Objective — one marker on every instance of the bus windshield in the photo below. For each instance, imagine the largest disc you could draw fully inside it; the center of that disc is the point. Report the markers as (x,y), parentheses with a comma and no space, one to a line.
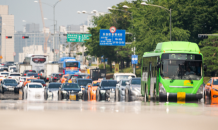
(39,60)
(181,66)
(71,64)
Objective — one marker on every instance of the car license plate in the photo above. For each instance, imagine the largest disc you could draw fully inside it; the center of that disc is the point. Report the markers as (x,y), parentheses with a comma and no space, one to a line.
(11,89)
(72,97)
(181,97)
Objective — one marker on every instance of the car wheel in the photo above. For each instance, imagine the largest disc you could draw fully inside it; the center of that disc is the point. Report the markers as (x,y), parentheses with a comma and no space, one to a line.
(97,95)
(59,96)
(89,95)
(2,90)
(117,95)
(145,97)
(126,95)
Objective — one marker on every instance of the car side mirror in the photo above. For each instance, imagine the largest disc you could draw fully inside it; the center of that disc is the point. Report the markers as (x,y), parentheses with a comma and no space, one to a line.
(208,84)
(127,83)
(205,67)
(158,65)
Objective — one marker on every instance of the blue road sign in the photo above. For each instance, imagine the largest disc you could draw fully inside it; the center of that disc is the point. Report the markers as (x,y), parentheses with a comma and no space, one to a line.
(112,39)
(134,59)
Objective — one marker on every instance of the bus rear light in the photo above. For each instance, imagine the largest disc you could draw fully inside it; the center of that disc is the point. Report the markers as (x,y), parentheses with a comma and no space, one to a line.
(38,77)
(24,74)
(55,77)
(75,75)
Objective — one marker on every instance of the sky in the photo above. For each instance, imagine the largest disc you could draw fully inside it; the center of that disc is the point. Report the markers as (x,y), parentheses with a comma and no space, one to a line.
(65,11)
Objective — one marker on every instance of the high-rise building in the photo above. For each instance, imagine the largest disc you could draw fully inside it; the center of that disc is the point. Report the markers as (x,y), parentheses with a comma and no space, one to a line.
(32,28)
(6,29)
(62,29)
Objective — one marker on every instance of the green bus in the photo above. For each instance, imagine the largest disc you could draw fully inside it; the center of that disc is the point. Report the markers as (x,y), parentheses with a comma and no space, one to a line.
(173,72)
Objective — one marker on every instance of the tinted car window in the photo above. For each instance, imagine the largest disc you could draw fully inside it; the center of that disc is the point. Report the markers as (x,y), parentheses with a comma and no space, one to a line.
(35,86)
(54,85)
(95,84)
(14,74)
(70,85)
(215,82)
(136,81)
(39,81)
(32,74)
(84,82)
(58,75)
(109,83)
(5,74)
(10,81)
(29,71)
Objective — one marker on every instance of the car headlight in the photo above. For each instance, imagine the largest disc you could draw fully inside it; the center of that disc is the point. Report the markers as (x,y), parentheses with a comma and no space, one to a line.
(201,89)
(64,91)
(102,91)
(161,88)
(214,89)
(4,86)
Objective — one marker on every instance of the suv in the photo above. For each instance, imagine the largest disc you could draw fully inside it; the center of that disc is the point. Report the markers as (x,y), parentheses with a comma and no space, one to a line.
(26,71)
(55,77)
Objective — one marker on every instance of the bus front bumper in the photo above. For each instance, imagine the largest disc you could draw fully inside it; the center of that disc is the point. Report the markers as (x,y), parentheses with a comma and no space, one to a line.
(174,97)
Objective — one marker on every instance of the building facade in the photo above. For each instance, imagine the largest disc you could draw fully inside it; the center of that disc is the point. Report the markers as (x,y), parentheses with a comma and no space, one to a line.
(7,31)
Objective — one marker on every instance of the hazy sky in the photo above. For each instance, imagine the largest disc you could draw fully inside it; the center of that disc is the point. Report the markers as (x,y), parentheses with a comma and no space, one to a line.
(66,11)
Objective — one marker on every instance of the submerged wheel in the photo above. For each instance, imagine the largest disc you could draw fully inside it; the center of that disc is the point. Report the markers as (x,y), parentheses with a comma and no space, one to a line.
(117,95)
(97,95)
(127,95)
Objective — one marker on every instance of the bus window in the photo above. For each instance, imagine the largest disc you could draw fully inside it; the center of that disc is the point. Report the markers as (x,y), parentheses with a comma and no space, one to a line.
(39,60)
(71,64)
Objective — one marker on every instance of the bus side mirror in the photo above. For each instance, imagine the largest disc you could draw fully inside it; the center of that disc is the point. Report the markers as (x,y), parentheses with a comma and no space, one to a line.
(205,67)
(158,64)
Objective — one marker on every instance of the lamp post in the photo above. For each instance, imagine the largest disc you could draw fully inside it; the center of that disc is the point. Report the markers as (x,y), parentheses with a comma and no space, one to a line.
(143,3)
(53,21)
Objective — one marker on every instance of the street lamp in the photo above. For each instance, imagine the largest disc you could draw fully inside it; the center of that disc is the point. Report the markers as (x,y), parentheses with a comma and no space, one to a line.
(53,20)
(143,3)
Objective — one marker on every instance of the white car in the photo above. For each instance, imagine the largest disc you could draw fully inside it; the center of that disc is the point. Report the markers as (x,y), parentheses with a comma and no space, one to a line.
(3,75)
(11,68)
(14,76)
(123,76)
(33,92)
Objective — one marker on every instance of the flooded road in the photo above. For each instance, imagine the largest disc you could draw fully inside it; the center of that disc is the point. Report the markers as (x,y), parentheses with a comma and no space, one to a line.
(21,114)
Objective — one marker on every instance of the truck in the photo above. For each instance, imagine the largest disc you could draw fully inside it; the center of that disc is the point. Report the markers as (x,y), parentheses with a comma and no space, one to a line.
(22,67)
(49,69)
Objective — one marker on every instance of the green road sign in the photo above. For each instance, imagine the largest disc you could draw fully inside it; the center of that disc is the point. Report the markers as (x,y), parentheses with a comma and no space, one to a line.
(77,37)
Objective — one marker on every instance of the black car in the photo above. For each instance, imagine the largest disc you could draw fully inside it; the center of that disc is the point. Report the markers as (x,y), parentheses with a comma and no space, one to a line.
(26,71)
(32,74)
(9,85)
(52,90)
(55,77)
(83,82)
(39,81)
(69,90)
(73,77)
(106,90)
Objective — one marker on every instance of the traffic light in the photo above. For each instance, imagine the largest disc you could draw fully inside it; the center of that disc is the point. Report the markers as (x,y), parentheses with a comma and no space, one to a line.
(8,37)
(64,34)
(24,37)
(202,36)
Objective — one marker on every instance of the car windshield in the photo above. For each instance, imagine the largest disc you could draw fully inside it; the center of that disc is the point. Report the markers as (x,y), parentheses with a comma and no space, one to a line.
(136,81)
(70,85)
(14,74)
(35,86)
(6,74)
(12,68)
(215,82)
(10,81)
(181,66)
(84,82)
(121,77)
(54,85)
(39,81)
(124,82)
(95,84)
(108,83)
(32,74)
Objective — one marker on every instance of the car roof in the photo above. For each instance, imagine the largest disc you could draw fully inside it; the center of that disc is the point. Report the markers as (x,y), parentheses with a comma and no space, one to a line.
(34,83)
(124,74)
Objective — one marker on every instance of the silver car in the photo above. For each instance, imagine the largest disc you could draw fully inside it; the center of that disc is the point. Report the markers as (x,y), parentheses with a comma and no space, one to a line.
(120,90)
(133,89)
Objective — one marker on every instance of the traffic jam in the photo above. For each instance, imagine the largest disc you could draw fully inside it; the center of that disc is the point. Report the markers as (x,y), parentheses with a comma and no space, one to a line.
(65,81)
(36,79)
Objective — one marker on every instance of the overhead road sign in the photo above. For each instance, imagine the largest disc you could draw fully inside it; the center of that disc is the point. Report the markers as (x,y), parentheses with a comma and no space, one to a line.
(112,39)
(134,59)
(77,37)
